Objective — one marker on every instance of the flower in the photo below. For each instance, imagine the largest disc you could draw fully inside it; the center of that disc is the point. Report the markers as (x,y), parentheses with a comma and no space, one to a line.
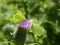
(26,25)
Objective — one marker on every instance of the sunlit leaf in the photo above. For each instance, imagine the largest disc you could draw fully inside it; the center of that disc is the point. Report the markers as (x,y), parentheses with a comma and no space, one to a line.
(38,30)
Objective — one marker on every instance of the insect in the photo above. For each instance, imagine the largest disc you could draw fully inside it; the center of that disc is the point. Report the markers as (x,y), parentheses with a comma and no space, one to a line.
(18,17)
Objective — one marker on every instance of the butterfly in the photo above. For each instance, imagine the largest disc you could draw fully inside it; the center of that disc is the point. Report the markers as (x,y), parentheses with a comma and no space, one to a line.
(18,17)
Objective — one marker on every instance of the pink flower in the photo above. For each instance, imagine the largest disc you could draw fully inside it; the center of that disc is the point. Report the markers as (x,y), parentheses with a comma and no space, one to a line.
(26,25)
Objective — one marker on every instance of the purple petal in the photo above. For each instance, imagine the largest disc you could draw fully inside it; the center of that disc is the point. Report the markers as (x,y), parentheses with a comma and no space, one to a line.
(27,24)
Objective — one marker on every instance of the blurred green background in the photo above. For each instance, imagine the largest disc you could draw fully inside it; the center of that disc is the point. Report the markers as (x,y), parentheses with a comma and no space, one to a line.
(44,14)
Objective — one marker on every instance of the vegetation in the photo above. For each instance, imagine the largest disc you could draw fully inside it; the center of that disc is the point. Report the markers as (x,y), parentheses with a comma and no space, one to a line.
(44,16)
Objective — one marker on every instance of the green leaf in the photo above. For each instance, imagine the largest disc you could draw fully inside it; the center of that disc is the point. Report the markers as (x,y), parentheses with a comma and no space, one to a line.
(38,30)
(2,38)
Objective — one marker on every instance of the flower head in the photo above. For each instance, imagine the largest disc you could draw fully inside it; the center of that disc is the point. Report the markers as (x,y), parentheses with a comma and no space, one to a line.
(26,25)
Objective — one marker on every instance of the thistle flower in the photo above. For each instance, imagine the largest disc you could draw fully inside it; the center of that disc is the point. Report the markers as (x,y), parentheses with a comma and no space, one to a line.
(26,25)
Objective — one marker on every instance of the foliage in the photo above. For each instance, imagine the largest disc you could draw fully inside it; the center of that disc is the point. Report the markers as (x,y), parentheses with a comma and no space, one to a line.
(45,18)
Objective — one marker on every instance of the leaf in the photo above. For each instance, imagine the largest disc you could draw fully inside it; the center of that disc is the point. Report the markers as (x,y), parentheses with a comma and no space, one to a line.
(18,18)
(2,38)
(38,30)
